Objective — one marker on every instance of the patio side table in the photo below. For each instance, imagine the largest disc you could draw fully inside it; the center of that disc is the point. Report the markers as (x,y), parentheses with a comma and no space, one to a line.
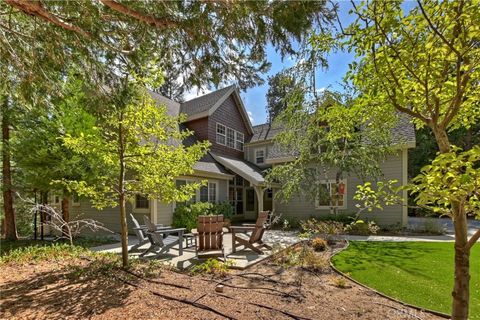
(190,240)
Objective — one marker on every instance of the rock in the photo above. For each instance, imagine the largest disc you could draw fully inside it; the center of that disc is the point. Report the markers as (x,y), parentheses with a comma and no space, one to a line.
(219,288)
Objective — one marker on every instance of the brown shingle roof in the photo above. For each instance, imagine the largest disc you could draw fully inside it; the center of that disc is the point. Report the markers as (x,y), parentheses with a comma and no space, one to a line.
(205,102)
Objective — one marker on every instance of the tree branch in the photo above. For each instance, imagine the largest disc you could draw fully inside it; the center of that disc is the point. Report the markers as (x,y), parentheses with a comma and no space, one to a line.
(35,8)
(148,19)
(450,45)
(473,239)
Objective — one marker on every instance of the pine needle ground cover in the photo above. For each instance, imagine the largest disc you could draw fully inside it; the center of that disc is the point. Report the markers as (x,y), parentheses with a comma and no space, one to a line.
(419,273)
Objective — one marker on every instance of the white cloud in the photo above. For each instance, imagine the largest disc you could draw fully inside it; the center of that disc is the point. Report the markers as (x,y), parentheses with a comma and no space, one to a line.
(250,116)
(321,90)
(195,92)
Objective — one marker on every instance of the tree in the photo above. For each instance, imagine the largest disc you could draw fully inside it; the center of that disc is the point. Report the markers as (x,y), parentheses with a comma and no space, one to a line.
(138,146)
(424,63)
(40,156)
(326,135)
(7,186)
(279,87)
(206,43)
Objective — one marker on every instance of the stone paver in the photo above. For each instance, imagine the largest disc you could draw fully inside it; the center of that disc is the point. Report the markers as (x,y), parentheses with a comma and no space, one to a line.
(241,259)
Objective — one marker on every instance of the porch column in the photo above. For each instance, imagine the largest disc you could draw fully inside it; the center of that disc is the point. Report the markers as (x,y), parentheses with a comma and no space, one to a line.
(154,211)
(259,191)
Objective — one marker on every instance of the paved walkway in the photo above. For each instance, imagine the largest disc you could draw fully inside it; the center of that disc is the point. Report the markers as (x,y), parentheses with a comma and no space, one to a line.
(442,223)
(241,259)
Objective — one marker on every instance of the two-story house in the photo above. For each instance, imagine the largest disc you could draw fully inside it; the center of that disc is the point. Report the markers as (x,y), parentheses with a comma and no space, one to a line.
(236,163)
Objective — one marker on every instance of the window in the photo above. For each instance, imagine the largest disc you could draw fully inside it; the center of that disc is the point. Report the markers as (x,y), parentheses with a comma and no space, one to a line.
(260,156)
(230,138)
(208,193)
(331,195)
(221,134)
(239,140)
(235,194)
(141,202)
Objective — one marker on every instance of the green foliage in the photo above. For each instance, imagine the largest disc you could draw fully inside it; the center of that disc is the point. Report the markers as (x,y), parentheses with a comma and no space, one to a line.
(55,251)
(144,132)
(290,223)
(361,227)
(329,230)
(185,215)
(281,85)
(452,177)
(419,273)
(212,266)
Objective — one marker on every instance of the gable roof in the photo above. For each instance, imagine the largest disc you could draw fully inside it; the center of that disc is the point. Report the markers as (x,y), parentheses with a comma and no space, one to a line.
(402,133)
(206,105)
(243,168)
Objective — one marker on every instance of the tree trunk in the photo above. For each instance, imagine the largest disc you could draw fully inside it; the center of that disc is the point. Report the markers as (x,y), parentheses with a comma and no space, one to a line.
(9,220)
(65,216)
(122,200)
(461,286)
(461,290)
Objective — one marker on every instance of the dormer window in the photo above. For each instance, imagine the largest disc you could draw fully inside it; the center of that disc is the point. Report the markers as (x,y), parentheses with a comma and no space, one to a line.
(221,134)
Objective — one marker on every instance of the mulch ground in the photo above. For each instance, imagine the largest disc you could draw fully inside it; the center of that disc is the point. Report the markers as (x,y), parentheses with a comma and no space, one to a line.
(63,290)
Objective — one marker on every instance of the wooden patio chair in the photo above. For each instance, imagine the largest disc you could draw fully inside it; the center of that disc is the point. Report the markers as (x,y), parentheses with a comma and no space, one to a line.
(140,232)
(240,236)
(163,239)
(210,237)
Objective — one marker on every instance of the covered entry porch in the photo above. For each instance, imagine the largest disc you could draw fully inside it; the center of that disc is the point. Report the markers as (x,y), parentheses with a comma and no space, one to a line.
(248,191)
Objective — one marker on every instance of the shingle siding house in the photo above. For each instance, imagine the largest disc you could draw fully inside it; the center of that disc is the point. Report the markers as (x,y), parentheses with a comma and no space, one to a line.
(235,165)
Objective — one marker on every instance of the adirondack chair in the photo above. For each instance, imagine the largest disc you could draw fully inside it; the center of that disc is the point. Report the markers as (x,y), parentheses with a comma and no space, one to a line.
(140,231)
(253,241)
(210,237)
(163,239)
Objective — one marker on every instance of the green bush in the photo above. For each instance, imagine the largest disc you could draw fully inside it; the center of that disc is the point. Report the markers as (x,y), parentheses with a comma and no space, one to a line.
(290,223)
(343,218)
(185,215)
(361,227)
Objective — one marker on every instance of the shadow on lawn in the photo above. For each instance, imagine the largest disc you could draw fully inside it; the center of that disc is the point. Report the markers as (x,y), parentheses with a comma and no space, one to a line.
(403,255)
(61,294)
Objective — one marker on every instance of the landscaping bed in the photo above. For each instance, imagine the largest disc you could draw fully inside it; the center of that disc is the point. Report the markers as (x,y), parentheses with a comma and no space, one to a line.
(75,283)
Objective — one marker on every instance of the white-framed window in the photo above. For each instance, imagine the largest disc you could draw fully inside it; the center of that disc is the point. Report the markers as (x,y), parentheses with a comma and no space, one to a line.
(141,202)
(332,195)
(208,193)
(239,139)
(221,134)
(231,138)
(56,199)
(75,200)
(260,156)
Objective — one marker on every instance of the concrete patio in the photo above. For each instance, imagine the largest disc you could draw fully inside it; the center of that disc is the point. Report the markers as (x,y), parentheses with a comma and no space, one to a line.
(241,259)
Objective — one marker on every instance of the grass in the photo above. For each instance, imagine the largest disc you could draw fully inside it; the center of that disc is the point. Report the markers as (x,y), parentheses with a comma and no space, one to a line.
(419,273)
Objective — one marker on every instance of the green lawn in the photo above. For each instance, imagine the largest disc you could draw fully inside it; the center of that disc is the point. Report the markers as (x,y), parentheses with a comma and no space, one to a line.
(419,273)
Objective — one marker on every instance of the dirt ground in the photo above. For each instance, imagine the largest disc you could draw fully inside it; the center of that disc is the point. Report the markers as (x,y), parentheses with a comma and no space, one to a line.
(67,290)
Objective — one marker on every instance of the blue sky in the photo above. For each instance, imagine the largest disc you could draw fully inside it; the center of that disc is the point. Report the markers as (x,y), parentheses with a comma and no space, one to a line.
(254,98)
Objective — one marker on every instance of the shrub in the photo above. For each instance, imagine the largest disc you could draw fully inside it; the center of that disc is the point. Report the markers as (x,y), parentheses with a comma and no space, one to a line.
(314,262)
(339,282)
(362,228)
(343,218)
(212,266)
(185,215)
(290,223)
(319,244)
(328,230)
